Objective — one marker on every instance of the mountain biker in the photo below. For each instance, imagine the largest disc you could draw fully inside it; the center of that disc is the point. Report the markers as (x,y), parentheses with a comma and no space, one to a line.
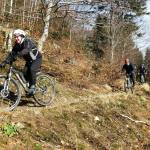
(142,71)
(129,69)
(135,71)
(25,48)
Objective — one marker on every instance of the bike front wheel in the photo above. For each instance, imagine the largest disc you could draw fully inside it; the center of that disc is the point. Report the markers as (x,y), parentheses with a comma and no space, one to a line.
(128,85)
(45,89)
(10,94)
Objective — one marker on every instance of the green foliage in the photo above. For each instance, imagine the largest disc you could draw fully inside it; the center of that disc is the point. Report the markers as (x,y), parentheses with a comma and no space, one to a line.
(81,146)
(147,58)
(100,38)
(59,28)
(37,147)
(107,32)
(9,129)
(55,35)
(137,5)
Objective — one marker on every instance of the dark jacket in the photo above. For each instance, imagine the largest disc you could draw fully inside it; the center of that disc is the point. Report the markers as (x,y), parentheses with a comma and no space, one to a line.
(142,70)
(24,50)
(128,68)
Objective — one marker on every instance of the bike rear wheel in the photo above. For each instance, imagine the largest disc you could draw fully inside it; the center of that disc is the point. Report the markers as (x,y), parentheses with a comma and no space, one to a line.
(142,79)
(45,89)
(9,96)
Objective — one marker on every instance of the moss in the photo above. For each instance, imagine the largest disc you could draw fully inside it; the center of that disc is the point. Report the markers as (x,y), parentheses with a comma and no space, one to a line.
(81,146)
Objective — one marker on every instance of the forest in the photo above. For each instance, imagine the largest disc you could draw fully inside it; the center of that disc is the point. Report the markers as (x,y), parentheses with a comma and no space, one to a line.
(84,44)
(90,37)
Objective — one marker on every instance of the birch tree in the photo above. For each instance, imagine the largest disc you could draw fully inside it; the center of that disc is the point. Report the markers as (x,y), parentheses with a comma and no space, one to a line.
(11,6)
(47,4)
(115,28)
(4,7)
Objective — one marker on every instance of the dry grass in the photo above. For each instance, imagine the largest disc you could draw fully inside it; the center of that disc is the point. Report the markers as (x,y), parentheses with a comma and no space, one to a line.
(73,67)
(91,122)
(85,115)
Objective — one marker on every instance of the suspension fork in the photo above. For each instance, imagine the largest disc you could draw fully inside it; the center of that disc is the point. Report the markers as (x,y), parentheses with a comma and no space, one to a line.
(6,82)
(5,91)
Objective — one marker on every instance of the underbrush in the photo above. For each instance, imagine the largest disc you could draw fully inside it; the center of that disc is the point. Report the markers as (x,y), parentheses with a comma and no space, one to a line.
(86,125)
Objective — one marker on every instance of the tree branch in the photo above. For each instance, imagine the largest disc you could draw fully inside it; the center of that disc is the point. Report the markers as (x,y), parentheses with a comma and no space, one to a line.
(133,120)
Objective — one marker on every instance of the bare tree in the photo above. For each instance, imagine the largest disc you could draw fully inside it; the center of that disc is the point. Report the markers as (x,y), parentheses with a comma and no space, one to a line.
(48,5)
(11,7)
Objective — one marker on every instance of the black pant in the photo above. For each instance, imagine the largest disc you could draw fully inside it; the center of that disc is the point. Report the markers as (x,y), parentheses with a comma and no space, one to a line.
(132,78)
(31,69)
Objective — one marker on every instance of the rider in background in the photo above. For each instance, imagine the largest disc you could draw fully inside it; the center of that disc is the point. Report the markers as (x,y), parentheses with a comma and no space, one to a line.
(129,69)
(25,48)
(142,71)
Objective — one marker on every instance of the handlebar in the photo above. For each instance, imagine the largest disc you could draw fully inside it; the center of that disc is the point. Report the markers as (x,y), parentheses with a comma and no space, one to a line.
(12,67)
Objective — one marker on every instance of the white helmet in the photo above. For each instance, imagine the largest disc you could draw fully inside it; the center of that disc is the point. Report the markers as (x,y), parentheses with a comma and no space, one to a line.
(19,32)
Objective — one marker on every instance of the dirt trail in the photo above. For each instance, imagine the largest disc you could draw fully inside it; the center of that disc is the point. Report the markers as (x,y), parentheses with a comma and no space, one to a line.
(78,112)
(66,96)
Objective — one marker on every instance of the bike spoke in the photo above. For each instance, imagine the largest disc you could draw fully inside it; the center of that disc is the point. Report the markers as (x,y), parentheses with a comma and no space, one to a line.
(45,91)
(9,94)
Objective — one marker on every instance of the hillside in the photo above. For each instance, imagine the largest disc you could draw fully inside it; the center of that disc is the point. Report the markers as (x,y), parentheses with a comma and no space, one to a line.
(81,120)
(84,45)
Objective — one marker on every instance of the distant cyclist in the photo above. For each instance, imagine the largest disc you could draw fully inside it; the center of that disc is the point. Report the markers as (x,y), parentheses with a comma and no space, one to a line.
(129,69)
(142,73)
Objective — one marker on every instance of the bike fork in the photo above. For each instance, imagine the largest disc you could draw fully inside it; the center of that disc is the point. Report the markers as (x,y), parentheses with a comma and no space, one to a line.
(6,84)
(5,90)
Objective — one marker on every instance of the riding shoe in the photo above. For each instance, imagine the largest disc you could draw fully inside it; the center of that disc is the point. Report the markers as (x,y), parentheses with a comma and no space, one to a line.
(31,91)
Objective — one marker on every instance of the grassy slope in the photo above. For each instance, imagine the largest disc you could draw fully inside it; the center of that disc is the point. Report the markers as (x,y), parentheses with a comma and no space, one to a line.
(81,119)
(87,121)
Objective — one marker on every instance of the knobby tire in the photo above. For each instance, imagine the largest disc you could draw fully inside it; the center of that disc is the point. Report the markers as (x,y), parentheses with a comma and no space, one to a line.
(13,97)
(45,89)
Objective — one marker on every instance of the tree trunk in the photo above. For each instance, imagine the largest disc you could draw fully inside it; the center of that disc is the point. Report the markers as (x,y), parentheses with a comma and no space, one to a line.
(9,42)
(11,5)
(46,26)
(23,13)
(4,7)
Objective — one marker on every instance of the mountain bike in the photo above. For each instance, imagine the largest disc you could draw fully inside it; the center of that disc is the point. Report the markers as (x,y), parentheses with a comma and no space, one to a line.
(128,84)
(11,91)
(142,78)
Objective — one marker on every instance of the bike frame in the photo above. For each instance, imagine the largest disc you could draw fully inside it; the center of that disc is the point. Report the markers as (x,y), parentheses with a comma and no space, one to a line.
(16,72)
(15,76)
(128,81)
